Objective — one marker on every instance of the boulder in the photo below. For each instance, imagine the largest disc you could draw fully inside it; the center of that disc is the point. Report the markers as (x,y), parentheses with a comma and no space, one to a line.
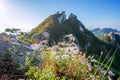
(18,51)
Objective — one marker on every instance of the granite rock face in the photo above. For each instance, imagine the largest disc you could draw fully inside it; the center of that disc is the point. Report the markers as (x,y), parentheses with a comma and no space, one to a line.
(61,17)
(19,49)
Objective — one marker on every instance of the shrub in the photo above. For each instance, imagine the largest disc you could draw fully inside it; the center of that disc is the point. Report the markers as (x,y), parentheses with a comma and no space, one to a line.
(73,66)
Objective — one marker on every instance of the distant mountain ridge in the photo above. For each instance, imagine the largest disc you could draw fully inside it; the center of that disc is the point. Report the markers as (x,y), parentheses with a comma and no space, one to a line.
(112,38)
(99,32)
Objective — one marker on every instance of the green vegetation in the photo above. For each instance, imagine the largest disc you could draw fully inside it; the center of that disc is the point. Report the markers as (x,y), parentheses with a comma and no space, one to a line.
(12,31)
(8,68)
(57,64)
(62,67)
(107,39)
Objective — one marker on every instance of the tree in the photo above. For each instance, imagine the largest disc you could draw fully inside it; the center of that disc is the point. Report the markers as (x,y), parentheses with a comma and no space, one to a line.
(13,31)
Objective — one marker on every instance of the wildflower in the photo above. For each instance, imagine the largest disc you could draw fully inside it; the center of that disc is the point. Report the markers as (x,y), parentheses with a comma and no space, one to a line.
(90,68)
(72,38)
(97,76)
(84,56)
(75,48)
(68,50)
(54,52)
(111,73)
(91,76)
(57,57)
(65,56)
(104,72)
(74,52)
(101,53)
(94,60)
(62,43)
(80,53)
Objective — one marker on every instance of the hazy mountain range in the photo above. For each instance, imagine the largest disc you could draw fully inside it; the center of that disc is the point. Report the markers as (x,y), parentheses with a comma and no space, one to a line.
(98,32)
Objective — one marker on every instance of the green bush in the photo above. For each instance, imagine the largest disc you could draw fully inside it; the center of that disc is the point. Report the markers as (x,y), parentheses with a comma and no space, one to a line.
(74,67)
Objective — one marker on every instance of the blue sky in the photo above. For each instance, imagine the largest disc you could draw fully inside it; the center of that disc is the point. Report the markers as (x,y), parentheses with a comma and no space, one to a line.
(27,14)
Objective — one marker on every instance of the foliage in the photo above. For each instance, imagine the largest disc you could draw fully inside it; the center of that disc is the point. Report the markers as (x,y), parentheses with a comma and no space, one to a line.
(21,35)
(7,66)
(32,41)
(32,60)
(13,31)
(61,66)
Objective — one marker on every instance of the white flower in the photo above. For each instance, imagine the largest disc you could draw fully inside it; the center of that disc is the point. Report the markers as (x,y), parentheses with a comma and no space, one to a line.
(65,56)
(111,73)
(72,50)
(68,51)
(57,57)
(54,52)
(90,68)
(94,60)
(104,72)
(72,38)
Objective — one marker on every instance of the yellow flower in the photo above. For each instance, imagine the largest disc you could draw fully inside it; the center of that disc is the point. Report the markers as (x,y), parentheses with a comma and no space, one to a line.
(69,50)
(74,52)
(75,48)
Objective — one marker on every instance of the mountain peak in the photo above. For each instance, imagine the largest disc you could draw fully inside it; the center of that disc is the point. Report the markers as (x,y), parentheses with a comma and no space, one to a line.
(56,26)
(61,17)
(72,16)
